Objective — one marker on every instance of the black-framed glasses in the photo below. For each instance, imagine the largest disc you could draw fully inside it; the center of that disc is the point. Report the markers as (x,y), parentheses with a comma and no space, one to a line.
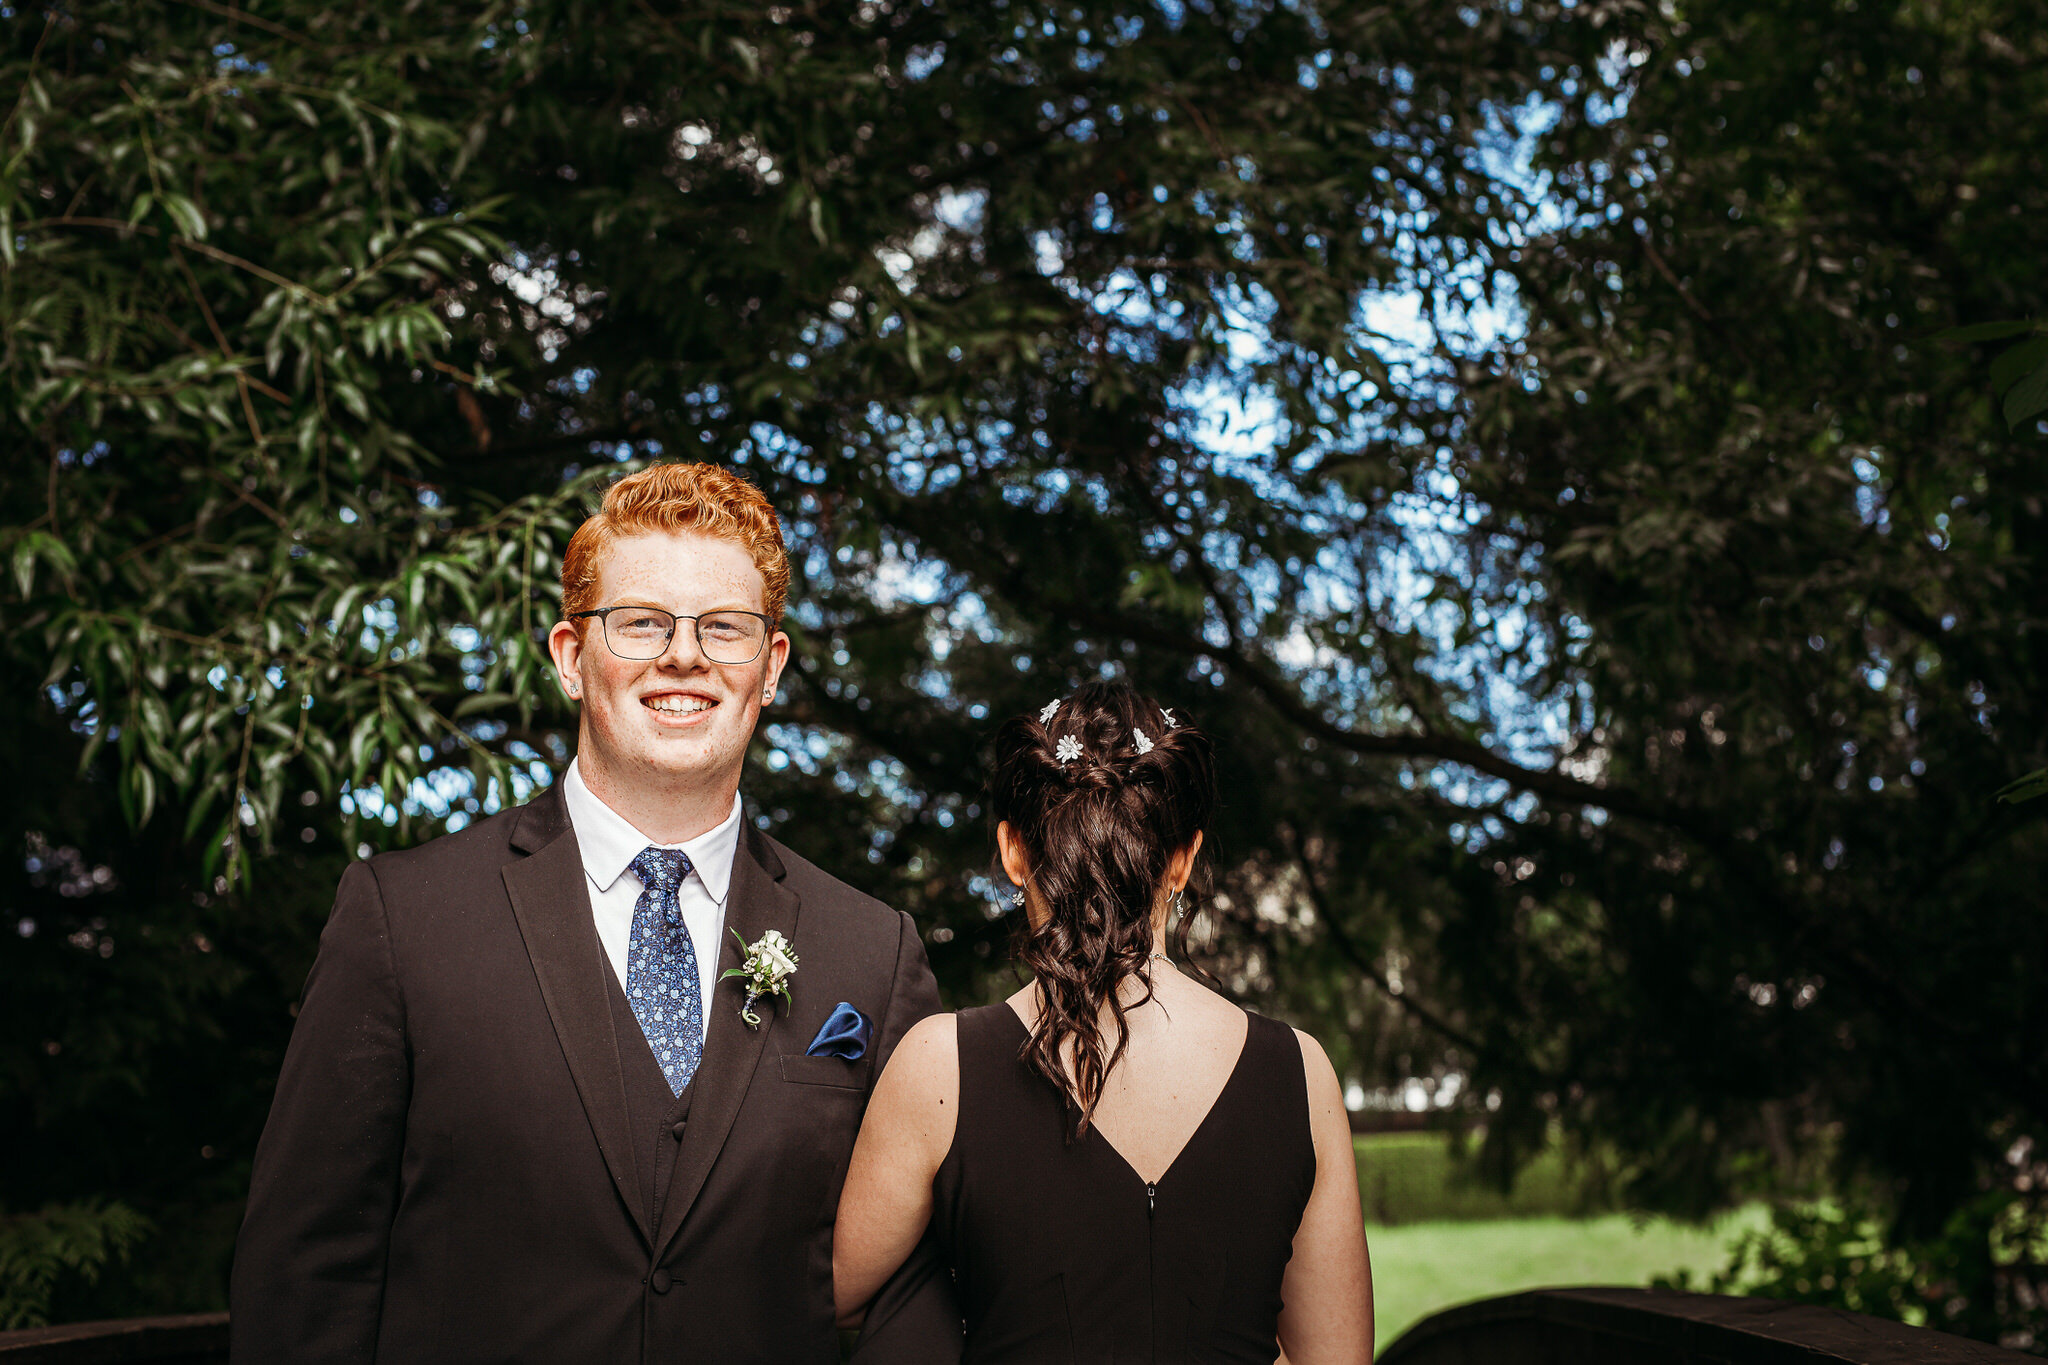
(724,637)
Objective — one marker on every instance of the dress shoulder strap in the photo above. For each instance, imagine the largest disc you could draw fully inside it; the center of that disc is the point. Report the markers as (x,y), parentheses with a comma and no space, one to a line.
(1277,1047)
(988,1037)
(1273,1099)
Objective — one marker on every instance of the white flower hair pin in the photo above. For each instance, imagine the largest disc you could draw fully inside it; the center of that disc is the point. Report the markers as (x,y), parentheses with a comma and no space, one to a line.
(1048,711)
(1144,744)
(766,966)
(1171,723)
(1069,749)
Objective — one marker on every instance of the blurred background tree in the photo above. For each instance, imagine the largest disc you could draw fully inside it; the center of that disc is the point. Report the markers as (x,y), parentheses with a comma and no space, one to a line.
(1514,429)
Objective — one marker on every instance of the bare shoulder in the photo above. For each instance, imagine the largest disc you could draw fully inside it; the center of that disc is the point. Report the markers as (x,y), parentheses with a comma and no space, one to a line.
(1314,1061)
(925,1068)
(915,1103)
(933,1037)
(1324,1092)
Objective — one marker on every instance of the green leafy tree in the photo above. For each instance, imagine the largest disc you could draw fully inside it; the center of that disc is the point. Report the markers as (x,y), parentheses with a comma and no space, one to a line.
(77,1242)
(1612,620)
(2020,372)
(1807,550)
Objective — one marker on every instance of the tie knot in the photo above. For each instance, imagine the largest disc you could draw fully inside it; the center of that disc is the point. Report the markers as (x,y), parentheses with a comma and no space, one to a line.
(661,869)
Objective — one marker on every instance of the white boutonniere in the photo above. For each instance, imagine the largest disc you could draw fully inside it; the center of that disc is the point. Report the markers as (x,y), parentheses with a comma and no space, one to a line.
(766,965)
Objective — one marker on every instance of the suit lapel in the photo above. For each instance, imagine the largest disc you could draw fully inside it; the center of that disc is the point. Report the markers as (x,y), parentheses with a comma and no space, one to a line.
(552,905)
(756,903)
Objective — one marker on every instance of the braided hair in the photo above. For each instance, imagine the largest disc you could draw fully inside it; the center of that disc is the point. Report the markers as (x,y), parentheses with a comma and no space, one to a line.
(1100,828)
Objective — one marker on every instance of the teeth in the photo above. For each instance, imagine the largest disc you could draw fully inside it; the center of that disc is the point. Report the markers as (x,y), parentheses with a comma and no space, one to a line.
(679,705)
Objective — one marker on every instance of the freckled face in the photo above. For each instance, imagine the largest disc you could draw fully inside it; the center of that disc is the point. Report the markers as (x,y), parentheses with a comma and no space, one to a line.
(679,720)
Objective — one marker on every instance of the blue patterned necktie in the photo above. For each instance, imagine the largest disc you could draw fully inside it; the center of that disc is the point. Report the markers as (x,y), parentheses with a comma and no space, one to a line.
(662,984)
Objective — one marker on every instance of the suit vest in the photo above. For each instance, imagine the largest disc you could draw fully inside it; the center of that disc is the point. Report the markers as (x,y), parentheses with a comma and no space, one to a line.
(658,1116)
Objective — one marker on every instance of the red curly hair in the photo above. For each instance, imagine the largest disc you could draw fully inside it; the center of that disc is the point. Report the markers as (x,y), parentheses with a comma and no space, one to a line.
(703,498)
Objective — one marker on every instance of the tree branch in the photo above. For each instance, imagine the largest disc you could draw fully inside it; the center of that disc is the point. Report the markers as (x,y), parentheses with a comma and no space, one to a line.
(1348,948)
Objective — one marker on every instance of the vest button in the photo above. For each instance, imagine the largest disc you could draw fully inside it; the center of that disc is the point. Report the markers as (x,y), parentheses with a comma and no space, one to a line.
(676,1129)
(659,1282)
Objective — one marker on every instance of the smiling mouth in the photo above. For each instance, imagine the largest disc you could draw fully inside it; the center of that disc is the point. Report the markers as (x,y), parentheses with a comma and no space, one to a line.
(674,704)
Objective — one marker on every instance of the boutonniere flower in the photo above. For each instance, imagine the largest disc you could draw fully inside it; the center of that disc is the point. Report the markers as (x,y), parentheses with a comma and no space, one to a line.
(766,965)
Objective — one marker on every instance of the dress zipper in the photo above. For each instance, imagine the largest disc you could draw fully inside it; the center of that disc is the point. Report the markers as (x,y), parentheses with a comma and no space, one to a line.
(1152,1267)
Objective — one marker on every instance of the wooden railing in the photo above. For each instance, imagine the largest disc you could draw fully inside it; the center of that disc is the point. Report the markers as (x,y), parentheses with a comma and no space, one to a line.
(1663,1327)
(196,1339)
(1543,1327)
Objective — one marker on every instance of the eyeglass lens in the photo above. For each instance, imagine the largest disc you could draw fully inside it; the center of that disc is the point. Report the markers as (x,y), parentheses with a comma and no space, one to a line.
(725,637)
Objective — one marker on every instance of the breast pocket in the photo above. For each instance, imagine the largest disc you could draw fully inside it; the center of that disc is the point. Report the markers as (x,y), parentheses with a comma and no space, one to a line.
(836,1072)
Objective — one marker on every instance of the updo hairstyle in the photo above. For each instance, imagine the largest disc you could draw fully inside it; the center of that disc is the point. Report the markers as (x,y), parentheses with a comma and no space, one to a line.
(1099,831)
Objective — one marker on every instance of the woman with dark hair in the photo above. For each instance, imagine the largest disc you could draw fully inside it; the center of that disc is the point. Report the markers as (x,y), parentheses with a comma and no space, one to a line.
(1121,1164)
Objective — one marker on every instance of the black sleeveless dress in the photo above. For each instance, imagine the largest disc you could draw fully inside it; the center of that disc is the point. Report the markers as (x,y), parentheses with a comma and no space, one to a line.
(1062,1253)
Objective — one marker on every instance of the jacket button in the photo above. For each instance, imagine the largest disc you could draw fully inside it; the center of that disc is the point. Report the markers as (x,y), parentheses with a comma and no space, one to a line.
(659,1281)
(676,1130)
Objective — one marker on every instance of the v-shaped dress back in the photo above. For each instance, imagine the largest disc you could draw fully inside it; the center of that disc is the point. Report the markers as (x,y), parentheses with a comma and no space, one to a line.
(1063,1253)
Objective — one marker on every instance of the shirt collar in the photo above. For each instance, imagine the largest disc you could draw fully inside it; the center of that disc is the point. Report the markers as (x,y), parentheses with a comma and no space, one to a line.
(609,842)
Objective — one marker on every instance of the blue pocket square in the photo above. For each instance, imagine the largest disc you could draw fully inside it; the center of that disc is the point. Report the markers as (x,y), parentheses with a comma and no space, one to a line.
(845,1034)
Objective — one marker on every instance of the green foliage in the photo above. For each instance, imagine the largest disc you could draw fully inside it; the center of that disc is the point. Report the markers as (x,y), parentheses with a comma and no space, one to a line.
(1617,629)
(2025,788)
(216,270)
(38,1250)
(1973,1277)
(2020,372)
(1418,1178)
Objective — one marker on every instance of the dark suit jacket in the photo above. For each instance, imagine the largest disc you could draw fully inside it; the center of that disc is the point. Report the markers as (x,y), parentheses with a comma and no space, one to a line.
(449,1172)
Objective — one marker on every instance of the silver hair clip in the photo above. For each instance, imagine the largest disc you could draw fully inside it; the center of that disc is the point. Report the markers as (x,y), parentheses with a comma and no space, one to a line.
(1144,744)
(1069,749)
(1171,723)
(1048,711)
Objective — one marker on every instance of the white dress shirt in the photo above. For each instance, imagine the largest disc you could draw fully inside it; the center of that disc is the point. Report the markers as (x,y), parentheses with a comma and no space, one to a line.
(609,843)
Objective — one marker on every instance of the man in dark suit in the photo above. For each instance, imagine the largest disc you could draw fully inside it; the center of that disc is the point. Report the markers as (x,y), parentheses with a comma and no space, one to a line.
(523,1116)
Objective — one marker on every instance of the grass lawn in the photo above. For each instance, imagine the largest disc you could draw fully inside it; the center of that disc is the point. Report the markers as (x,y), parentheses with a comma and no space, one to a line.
(1440,1238)
(1411,1178)
(1419,1268)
